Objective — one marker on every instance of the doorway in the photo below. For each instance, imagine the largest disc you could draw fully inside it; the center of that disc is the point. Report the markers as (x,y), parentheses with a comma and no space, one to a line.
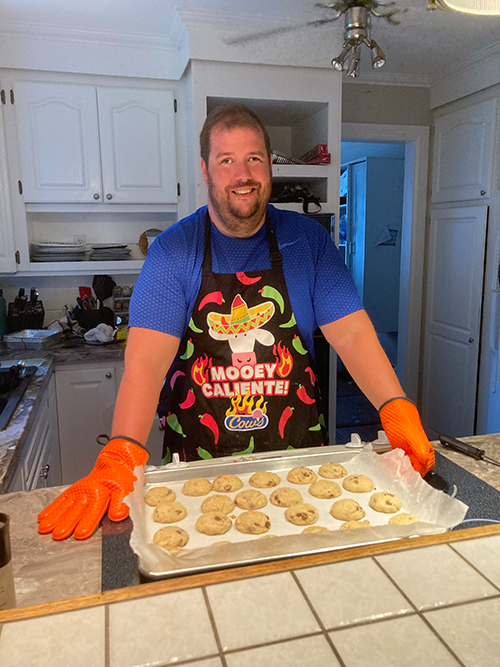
(411,143)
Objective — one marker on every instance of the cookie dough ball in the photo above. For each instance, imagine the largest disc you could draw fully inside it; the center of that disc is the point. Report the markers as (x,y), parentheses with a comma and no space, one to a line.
(358,484)
(285,497)
(253,523)
(385,502)
(403,519)
(169,512)
(347,510)
(213,523)
(302,514)
(198,486)
(354,524)
(159,494)
(223,504)
(250,499)
(227,483)
(315,529)
(324,488)
(301,475)
(216,544)
(171,538)
(264,480)
(332,470)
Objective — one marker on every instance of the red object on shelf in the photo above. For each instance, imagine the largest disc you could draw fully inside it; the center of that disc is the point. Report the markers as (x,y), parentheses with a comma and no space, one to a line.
(317,155)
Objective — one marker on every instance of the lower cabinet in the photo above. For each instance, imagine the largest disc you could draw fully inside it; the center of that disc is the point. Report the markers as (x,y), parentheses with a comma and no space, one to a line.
(86,399)
(40,464)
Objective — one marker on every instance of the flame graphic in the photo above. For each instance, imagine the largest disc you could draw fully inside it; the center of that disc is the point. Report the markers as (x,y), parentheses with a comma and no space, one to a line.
(199,370)
(284,359)
(245,405)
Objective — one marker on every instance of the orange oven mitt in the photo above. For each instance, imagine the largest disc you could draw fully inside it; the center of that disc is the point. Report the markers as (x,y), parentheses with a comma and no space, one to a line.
(82,506)
(403,428)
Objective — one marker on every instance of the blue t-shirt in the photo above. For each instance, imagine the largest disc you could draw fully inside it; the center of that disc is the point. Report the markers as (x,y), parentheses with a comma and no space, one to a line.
(320,287)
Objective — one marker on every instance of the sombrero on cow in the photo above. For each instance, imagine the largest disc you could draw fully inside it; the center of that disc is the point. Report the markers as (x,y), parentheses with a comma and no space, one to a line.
(242,318)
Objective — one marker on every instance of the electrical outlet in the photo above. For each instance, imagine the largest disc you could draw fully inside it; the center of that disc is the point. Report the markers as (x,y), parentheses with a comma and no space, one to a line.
(80,239)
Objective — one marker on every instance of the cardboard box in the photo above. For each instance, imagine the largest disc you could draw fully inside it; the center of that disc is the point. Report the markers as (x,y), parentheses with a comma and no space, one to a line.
(317,155)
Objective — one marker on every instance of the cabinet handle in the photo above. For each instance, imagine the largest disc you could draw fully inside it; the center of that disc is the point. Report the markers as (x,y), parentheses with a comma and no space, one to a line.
(109,196)
(483,192)
(44,472)
(96,195)
(471,340)
(109,375)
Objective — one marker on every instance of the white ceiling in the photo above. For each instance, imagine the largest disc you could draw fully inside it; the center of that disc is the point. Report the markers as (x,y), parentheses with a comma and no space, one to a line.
(420,50)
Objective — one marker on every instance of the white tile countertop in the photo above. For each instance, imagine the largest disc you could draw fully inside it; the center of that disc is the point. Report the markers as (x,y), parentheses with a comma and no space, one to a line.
(435,605)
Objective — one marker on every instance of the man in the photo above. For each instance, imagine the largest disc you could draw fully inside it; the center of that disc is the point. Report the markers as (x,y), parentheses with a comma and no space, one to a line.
(221,328)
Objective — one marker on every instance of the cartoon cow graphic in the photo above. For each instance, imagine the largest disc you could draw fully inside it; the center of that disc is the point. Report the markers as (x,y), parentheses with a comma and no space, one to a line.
(242,328)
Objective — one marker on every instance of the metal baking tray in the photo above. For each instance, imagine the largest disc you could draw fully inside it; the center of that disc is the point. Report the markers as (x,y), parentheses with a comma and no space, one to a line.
(32,339)
(250,550)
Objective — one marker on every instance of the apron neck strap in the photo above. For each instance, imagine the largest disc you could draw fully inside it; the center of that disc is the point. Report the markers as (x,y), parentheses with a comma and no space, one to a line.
(274,251)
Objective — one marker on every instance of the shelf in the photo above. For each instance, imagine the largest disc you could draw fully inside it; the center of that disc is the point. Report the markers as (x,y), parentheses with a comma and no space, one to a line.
(301,171)
(100,208)
(122,267)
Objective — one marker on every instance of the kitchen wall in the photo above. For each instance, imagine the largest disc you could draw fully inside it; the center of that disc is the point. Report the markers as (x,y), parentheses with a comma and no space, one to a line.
(386,105)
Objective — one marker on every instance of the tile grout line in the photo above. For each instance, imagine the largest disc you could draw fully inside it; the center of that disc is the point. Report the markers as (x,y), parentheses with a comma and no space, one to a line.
(318,620)
(107,646)
(475,568)
(420,614)
(214,626)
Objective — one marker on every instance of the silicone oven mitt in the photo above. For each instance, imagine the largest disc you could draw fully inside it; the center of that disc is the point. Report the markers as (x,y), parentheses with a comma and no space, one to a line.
(80,508)
(403,428)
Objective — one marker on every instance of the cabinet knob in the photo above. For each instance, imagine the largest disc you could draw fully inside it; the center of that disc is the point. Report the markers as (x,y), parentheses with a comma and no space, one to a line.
(109,196)
(44,472)
(483,192)
(471,340)
(109,375)
(96,195)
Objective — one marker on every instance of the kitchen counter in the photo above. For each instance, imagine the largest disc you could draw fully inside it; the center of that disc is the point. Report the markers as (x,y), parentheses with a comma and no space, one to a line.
(12,439)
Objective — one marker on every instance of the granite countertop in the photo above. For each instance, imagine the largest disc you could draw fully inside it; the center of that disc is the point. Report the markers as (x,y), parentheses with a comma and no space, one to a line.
(12,438)
(487,472)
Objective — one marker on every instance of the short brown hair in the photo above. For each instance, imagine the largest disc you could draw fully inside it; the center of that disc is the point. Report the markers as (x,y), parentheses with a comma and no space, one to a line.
(229,116)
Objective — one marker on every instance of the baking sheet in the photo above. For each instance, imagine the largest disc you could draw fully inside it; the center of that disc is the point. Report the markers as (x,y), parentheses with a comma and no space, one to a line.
(390,472)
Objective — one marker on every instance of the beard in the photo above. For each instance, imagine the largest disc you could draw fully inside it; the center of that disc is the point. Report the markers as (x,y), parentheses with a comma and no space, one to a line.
(239,221)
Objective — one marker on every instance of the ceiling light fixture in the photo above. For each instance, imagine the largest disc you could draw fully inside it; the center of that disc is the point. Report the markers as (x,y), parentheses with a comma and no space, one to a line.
(479,7)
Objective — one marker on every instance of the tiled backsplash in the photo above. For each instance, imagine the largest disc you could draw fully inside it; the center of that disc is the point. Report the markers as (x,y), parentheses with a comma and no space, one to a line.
(433,606)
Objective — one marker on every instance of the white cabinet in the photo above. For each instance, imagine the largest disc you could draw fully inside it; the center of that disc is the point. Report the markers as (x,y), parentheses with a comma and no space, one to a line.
(85,143)
(86,399)
(7,247)
(464,143)
(40,464)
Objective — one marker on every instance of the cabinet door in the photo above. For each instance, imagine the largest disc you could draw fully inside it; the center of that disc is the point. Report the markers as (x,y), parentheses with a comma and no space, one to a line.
(85,403)
(7,249)
(463,153)
(138,145)
(58,140)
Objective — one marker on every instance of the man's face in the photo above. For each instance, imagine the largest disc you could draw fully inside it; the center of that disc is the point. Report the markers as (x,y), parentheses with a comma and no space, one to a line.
(238,177)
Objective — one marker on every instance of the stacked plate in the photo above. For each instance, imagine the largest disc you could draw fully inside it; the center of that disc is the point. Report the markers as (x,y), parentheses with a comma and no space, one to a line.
(58,252)
(102,252)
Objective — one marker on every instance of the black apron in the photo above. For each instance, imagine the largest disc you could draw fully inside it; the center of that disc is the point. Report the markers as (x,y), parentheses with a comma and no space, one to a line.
(243,380)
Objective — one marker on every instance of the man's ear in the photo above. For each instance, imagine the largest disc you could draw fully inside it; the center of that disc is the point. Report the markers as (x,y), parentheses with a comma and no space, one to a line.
(204,171)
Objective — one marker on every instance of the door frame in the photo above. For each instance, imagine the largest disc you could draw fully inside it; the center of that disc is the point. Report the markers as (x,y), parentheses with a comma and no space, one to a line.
(413,233)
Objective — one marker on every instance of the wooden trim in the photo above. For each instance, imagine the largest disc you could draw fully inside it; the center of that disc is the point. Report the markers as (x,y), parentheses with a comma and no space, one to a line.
(235,574)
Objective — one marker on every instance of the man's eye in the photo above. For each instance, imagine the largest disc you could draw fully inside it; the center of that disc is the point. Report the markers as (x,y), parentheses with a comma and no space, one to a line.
(254,158)
(226,160)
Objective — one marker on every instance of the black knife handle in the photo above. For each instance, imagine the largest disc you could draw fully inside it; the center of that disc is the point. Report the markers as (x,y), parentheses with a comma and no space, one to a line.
(462,447)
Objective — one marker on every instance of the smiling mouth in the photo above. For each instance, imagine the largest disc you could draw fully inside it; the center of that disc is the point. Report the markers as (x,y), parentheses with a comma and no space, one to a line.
(244,191)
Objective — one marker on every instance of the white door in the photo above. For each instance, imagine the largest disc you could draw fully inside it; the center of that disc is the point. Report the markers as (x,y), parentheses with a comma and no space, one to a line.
(453,318)
(463,153)
(7,249)
(138,145)
(356,215)
(58,139)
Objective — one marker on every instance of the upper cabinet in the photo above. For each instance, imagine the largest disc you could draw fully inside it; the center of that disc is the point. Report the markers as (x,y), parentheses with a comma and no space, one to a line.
(463,153)
(85,144)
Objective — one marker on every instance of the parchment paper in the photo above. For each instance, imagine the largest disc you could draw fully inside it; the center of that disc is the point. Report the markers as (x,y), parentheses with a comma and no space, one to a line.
(391,472)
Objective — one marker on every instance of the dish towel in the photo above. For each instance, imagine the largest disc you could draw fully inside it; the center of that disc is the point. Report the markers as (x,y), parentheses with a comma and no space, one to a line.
(102,333)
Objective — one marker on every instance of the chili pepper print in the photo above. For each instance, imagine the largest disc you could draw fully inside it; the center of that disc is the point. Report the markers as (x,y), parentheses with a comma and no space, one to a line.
(167,458)
(193,327)
(291,323)
(285,416)
(304,396)
(297,343)
(173,422)
(189,350)
(174,378)
(246,280)
(248,450)
(312,375)
(316,427)
(203,454)
(270,293)
(208,421)
(321,419)
(212,297)
(188,401)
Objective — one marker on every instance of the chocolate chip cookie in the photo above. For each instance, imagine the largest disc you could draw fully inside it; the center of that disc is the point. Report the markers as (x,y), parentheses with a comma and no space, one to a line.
(227,483)
(285,497)
(332,470)
(354,524)
(358,484)
(171,538)
(302,514)
(264,480)
(301,475)
(315,529)
(324,488)
(169,512)
(159,494)
(347,510)
(385,502)
(250,499)
(253,523)
(223,504)
(403,519)
(198,486)
(213,523)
